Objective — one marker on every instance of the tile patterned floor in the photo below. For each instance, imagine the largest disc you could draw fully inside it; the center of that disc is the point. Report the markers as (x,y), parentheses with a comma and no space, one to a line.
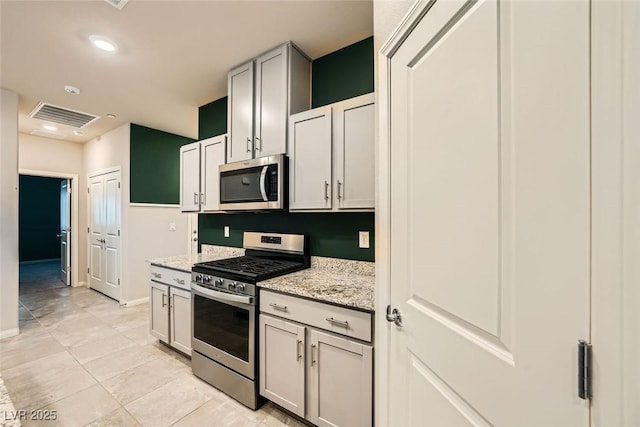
(93,362)
(39,276)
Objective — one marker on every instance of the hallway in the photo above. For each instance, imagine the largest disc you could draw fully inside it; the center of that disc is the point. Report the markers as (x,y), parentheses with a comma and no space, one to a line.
(40,276)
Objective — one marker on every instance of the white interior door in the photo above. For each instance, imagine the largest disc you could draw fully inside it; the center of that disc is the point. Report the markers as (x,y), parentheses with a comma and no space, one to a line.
(489,214)
(65,231)
(104,234)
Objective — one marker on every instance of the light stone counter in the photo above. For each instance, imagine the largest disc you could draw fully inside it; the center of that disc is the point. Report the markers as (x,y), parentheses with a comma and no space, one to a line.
(209,253)
(336,281)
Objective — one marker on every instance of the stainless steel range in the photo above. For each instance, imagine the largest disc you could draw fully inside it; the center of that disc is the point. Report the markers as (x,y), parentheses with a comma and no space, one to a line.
(225,314)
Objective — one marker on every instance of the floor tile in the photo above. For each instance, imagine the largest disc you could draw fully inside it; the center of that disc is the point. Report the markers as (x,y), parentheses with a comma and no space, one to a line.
(171,402)
(120,417)
(44,392)
(27,374)
(141,380)
(79,409)
(215,412)
(140,335)
(118,362)
(100,347)
(18,352)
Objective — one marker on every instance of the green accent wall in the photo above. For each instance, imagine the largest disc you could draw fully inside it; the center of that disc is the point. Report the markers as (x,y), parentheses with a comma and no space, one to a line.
(343,74)
(39,218)
(212,119)
(329,234)
(155,165)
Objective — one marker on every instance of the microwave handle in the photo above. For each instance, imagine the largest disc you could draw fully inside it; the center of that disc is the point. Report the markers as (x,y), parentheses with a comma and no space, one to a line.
(263,183)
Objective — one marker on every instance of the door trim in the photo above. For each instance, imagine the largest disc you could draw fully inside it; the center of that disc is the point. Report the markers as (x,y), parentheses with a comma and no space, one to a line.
(73,178)
(616,204)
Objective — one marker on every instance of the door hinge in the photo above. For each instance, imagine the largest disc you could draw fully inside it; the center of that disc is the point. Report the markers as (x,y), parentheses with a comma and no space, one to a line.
(88,230)
(87,190)
(584,370)
(118,185)
(118,232)
(88,269)
(118,281)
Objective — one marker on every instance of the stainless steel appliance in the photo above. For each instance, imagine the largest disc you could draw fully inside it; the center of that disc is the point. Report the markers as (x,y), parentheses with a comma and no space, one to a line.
(224,310)
(254,184)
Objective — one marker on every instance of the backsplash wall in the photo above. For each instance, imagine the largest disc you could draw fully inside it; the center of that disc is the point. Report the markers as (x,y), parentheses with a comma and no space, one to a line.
(329,234)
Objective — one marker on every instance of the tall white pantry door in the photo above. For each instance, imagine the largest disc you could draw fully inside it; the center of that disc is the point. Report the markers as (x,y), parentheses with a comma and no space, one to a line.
(489,213)
(104,234)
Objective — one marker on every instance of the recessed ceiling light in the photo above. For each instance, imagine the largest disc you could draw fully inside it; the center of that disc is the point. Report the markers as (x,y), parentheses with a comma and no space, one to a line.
(72,90)
(103,43)
(111,116)
(50,127)
(77,133)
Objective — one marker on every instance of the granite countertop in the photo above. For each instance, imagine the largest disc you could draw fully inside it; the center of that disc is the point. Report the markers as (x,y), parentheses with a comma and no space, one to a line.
(185,262)
(336,281)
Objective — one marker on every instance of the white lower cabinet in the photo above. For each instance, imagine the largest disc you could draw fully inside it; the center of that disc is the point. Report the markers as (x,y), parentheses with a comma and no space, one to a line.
(324,377)
(171,308)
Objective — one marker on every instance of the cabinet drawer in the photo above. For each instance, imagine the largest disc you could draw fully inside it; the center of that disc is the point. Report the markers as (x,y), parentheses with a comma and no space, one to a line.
(180,279)
(352,323)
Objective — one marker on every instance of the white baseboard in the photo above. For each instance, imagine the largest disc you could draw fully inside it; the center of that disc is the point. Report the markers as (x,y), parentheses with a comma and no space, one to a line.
(81,285)
(9,333)
(136,302)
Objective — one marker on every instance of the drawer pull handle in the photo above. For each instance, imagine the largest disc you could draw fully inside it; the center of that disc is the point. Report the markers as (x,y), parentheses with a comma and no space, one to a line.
(298,352)
(179,281)
(279,307)
(157,275)
(342,323)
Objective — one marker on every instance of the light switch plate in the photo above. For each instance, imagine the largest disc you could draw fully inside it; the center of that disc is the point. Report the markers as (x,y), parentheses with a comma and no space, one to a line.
(364,239)
(226,231)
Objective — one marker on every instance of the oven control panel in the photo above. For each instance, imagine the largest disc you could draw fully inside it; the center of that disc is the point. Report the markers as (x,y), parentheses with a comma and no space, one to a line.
(221,284)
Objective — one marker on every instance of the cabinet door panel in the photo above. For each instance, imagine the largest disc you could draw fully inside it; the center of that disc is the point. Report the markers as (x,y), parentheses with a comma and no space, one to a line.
(160,311)
(180,319)
(310,159)
(213,155)
(240,113)
(340,381)
(190,177)
(355,139)
(271,103)
(282,363)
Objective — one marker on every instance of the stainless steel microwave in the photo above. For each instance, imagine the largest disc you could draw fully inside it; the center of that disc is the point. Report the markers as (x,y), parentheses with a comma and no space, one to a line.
(254,184)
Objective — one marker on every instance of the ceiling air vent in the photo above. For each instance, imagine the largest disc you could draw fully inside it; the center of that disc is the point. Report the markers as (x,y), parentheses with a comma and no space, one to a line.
(62,116)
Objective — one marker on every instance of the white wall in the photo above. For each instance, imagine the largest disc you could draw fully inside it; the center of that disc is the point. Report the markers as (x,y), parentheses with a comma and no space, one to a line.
(144,229)
(8,213)
(59,157)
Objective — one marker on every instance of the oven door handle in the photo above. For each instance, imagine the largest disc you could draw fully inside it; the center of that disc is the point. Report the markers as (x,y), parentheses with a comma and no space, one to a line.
(263,183)
(220,296)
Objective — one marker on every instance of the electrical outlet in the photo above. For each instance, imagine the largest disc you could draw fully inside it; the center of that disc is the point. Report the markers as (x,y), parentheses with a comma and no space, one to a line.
(172,226)
(226,231)
(364,239)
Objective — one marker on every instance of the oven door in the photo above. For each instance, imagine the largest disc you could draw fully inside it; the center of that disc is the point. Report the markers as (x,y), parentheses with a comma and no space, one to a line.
(224,328)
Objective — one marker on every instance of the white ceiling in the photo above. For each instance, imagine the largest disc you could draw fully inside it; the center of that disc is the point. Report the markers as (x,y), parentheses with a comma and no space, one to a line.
(173,55)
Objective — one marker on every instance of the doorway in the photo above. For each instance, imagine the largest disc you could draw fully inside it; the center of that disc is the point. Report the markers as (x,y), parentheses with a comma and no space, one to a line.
(48,218)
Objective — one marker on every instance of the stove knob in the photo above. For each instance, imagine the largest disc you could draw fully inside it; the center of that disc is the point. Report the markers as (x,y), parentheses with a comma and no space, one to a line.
(199,278)
(217,283)
(207,279)
(239,287)
(233,285)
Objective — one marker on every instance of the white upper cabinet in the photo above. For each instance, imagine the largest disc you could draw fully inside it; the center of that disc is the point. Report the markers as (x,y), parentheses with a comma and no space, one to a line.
(355,152)
(240,108)
(212,153)
(199,175)
(310,159)
(332,156)
(190,177)
(262,94)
